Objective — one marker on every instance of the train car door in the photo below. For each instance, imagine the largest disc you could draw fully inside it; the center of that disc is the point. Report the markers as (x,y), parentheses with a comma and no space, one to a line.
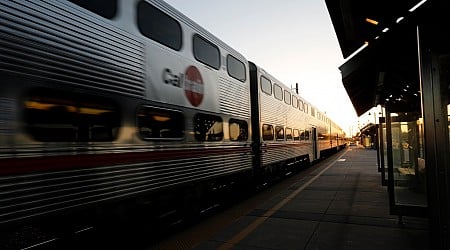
(314,143)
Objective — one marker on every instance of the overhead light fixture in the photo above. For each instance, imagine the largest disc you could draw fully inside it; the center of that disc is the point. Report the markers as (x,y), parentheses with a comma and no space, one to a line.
(385,30)
(399,19)
(417,6)
(374,22)
(365,45)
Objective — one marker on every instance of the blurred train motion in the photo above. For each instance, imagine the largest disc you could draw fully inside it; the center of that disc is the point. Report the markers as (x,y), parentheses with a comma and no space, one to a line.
(127,101)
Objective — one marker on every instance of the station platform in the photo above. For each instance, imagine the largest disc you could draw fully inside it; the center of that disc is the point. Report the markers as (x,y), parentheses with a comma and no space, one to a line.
(339,205)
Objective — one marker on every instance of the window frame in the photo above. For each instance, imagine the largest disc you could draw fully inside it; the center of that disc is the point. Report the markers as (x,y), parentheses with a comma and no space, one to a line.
(275,88)
(301,105)
(302,135)
(296,138)
(272,134)
(160,109)
(196,51)
(288,101)
(229,56)
(239,122)
(278,129)
(60,116)
(307,135)
(296,101)
(288,136)
(206,138)
(268,81)
(166,41)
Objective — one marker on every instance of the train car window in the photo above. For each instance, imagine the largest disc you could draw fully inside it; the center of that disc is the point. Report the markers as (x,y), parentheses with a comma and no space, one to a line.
(306,108)
(313,112)
(287,97)
(206,52)
(300,105)
(278,92)
(236,68)
(296,135)
(238,130)
(267,132)
(160,124)
(294,101)
(69,117)
(306,135)
(104,8)
(288,134)
(208,127)
(266,85)
(302,135)
(279,133)
(158,26)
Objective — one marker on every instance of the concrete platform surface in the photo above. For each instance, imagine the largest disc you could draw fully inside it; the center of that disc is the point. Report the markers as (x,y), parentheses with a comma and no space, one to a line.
(341,205)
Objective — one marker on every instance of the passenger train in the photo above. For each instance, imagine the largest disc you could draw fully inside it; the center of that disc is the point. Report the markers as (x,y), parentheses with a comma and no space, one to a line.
(110,101)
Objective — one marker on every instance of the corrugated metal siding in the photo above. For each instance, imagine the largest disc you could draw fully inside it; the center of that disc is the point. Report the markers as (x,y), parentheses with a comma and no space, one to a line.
(234,98)
(42,193)
(51,42)
(273,111)
(274,153)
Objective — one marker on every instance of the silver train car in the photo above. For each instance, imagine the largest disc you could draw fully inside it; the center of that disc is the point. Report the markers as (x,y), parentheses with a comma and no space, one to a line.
(112,100)
(289,129)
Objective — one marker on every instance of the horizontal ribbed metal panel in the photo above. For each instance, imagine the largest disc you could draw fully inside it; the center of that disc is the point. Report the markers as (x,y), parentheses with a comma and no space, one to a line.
(35,194)
(56,42)
(234,98)
(274,154)
(273,111)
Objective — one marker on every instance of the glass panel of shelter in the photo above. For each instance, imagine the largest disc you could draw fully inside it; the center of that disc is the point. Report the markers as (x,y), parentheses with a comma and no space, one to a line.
(406,168)
(405,110)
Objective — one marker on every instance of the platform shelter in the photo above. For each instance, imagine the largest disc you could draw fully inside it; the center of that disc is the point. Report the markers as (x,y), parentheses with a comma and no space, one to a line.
(402,62)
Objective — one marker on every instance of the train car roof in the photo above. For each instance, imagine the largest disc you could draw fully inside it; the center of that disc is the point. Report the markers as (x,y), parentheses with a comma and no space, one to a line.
(290,90)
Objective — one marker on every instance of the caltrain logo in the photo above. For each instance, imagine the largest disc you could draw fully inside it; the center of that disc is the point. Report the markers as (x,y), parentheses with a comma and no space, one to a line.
(193,86)
(191,81)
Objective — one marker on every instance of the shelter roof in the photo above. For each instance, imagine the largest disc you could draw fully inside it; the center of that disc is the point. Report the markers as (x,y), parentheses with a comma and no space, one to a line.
(386,70)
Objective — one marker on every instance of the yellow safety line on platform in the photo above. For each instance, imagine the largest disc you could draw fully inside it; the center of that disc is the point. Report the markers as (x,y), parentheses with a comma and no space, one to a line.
(250,228)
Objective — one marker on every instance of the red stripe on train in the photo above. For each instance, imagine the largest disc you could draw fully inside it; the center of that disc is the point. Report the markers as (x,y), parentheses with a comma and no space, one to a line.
(24,165)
